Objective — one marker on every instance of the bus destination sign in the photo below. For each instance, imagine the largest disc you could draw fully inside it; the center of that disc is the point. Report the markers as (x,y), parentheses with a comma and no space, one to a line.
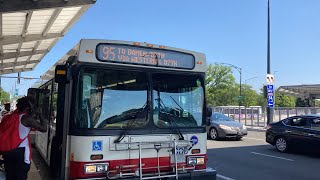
(144,56)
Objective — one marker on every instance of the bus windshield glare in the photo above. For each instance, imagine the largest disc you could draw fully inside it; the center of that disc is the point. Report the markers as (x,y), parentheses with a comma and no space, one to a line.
(178,100)
(114,99)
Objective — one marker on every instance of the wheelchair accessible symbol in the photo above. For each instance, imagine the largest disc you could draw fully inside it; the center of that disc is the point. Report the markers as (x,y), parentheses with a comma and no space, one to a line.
(96,145)
(194,140)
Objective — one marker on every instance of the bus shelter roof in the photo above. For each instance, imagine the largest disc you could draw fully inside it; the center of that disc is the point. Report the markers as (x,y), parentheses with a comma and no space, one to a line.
(302,91)
(30,28)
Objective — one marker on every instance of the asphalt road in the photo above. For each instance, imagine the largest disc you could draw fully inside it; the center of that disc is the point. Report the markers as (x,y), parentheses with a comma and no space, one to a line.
(252,158)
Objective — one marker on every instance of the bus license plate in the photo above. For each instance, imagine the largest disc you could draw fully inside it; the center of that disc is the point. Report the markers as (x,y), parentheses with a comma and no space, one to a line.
(181,155)
(181,158)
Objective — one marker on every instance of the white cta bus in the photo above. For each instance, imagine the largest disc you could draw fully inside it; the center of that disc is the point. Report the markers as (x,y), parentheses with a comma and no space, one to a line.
(122,110)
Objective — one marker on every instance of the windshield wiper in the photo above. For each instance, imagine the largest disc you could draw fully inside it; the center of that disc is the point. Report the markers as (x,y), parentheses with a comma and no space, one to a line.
(168,117)
(181,109)
(130,123)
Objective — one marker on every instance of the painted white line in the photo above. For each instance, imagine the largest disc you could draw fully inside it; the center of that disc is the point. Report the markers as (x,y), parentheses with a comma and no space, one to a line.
(224,177)
(254,139)
(272,156)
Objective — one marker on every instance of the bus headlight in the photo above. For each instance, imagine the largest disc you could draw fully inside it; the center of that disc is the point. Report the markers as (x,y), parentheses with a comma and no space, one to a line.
(95,168)
(195,160)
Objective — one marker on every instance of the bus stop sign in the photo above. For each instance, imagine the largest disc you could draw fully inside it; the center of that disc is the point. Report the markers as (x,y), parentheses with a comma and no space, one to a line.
(270,91)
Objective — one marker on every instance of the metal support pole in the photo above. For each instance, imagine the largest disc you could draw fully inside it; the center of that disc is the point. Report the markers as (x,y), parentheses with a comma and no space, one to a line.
(269,110)
(245,116)
(240,94)
(0,91)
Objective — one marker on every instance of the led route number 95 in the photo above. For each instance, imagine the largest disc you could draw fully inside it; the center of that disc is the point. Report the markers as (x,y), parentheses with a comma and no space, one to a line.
(108,53)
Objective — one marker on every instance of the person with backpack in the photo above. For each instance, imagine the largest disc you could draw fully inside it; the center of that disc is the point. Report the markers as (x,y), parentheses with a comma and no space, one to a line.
(15,139)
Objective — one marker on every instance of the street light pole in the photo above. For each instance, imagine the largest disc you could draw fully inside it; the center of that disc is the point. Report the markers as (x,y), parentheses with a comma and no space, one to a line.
(240,92)
(269,110)
(245,81)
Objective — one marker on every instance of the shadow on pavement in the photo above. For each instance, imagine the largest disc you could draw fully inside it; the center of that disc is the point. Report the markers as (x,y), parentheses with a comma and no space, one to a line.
(41,165)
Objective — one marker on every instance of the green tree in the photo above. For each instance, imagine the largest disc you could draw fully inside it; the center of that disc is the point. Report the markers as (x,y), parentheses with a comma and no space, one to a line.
(261,100)
(250,96)
(221,88)
(5,96)
(283,100)
(302,102)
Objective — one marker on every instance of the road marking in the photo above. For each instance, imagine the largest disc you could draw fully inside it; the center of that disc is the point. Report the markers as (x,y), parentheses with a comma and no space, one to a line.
(224,177)
(272,156)
(254,139)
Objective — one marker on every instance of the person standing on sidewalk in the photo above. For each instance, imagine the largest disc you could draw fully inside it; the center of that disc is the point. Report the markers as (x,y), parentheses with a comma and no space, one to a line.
(17,161)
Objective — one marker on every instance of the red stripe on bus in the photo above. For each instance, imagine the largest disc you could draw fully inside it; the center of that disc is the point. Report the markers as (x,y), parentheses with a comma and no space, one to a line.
(77,168)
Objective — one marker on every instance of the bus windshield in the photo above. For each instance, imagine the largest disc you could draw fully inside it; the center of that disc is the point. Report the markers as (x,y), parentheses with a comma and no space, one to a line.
(115,99)
(178,100)
(109,99)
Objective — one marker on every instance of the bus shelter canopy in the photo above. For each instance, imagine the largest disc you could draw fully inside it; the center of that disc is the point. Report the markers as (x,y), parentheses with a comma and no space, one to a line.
(30,28)
(302,91)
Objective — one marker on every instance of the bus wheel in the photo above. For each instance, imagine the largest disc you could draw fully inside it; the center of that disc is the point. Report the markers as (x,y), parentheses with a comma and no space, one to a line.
(214,134)
(232,116)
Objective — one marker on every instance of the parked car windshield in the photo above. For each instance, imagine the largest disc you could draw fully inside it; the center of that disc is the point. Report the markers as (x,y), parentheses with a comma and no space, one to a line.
(220,117)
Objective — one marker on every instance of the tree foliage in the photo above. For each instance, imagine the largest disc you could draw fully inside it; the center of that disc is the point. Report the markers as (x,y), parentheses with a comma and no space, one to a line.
(302,102)
(250,96)
(222,89)
(282,100)
(220,85)
(5,96)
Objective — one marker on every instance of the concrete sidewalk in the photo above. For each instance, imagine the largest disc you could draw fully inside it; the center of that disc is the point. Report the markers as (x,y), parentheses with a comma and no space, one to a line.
(256,128)
(33,173)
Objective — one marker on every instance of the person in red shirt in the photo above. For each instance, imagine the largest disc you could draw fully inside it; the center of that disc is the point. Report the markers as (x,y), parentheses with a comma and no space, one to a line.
(17,162)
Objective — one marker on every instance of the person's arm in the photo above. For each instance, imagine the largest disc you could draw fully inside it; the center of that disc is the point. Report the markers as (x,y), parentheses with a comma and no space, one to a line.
(29,121)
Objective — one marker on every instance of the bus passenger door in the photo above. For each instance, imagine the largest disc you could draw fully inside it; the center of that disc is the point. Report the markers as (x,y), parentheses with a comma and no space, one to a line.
(41,97)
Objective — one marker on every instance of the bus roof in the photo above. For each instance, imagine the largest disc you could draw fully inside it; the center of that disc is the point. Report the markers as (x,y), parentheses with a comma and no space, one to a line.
(86,51)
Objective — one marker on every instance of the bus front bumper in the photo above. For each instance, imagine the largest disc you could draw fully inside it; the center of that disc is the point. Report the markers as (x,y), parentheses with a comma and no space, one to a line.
(206,174)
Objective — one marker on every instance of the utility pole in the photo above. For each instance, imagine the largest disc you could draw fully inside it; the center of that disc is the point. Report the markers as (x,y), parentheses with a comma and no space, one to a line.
(269,109)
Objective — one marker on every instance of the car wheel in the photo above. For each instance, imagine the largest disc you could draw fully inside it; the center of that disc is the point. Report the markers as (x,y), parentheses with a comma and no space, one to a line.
(214,134)
(281,144)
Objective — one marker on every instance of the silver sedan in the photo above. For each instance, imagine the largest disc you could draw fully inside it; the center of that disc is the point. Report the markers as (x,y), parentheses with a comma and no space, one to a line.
(221,126)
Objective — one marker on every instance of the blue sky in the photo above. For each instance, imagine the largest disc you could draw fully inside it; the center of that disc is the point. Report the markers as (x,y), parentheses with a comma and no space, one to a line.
(227,31)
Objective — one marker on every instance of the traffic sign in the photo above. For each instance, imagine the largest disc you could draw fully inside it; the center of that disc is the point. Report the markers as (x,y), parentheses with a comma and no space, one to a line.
(240,97)
(270,87)
(270,78)
(270,104)
(270,97)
